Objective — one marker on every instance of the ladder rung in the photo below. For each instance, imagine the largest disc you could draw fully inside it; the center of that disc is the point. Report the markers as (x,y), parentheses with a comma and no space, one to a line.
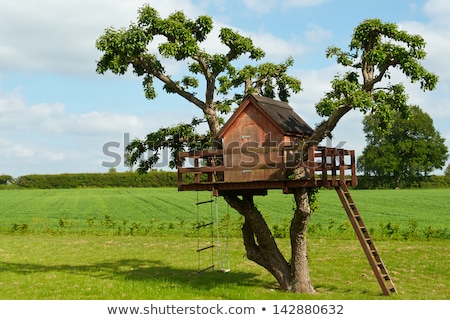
(207,268)
(208,247)
(202,202)
(204,225)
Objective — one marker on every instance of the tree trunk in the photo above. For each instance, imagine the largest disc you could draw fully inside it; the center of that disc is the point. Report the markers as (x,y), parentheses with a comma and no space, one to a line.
(301,281)
(259,243)
(261,247)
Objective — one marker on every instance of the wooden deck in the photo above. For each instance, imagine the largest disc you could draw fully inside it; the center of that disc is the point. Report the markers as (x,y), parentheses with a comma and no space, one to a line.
(325,167)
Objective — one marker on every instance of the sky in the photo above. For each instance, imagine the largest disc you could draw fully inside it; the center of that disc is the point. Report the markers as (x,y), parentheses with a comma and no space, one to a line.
(57,115)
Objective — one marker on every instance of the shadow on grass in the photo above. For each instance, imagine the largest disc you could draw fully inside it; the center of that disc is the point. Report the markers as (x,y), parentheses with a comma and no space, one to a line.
(139,270)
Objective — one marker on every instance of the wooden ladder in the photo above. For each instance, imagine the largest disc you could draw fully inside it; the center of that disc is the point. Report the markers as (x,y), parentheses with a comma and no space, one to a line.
(202,246)
(378,267)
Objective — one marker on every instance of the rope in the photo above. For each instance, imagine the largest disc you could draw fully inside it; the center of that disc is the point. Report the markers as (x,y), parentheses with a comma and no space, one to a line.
(223,257)
(226,259)
(198,235)
(201,225)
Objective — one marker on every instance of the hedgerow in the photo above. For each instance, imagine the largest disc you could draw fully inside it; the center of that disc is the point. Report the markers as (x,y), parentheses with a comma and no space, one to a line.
(152,179)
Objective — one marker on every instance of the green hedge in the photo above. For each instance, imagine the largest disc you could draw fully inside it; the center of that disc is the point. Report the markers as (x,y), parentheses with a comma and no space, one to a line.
(431,182)
(157,179)
(152,179)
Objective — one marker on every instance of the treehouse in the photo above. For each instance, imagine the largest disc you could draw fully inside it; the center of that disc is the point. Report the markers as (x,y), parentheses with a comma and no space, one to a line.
(254,137)
(262,148)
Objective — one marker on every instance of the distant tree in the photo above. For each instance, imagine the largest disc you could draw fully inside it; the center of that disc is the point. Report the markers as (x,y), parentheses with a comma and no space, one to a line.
(5,179)
(112,170)
(411,148)
(376,47)
(447,171)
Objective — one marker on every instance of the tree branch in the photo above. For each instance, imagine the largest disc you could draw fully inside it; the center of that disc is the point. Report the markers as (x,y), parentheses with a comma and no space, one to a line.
(187,95)
(325,128)
(370,83)
(140,63)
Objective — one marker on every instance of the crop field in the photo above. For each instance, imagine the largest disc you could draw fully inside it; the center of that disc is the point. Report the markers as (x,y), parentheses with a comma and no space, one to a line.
(393,214)
(141,244)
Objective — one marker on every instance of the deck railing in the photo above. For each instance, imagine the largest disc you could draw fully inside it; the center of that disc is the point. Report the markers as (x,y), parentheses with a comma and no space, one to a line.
(324,166)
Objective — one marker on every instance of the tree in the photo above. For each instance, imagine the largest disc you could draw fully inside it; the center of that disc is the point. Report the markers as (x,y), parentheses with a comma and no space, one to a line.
(372,55)
(447,171)
(411,148)
(5,179)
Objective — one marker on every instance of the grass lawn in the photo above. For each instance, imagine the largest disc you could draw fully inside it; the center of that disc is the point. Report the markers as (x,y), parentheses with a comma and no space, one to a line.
(138,267)
(141,244)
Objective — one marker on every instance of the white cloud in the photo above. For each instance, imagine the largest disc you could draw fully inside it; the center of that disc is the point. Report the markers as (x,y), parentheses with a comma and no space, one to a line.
(437,46)
(60,36)
(263,6)
(51,119)
(276,48)
(267,6)
(301,3)
(45,138)
(317,34)
(438,11)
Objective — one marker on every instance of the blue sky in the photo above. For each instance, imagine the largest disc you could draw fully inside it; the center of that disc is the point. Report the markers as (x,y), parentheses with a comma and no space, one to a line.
(56,113)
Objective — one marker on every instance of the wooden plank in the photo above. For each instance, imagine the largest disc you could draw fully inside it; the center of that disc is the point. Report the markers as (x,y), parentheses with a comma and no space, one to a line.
(199,170)
(317,162)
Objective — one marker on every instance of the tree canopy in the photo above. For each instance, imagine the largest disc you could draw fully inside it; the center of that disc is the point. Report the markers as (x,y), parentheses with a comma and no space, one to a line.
(411,148)
(183,38)
(375,49)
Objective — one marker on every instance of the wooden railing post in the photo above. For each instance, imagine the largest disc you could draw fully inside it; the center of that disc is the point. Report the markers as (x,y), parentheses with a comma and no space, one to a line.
(311,163)
(324,166)
(212,175)
(196,175)
(334,152)
(353,167)
(341,166)
(180,175)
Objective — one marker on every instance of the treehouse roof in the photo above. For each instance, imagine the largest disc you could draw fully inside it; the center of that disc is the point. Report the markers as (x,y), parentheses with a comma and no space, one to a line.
(278,112)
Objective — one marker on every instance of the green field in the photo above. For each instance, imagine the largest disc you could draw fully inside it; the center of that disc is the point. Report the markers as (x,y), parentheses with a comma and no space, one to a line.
(164,211)
(140,244)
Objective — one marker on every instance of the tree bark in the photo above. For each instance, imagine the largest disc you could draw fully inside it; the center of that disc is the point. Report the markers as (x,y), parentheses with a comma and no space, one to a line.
(259,243)
(301,281)
(262,249)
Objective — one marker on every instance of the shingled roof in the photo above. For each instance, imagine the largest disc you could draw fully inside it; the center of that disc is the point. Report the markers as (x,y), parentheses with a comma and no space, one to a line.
(281,113)
(284,115)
